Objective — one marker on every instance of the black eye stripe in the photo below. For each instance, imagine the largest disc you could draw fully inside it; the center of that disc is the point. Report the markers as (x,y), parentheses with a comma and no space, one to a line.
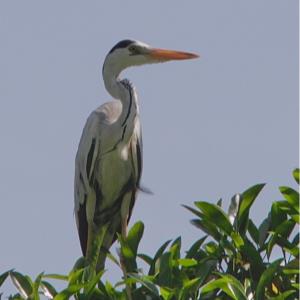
(121,44)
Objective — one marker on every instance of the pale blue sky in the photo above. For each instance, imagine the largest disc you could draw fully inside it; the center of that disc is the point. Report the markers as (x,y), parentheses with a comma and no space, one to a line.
(211,127)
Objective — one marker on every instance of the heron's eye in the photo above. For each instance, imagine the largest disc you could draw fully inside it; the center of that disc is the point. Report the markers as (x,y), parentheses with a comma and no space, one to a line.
(134,50)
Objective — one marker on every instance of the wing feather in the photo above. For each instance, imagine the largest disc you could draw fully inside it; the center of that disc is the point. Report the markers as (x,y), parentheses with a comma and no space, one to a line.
(82,226)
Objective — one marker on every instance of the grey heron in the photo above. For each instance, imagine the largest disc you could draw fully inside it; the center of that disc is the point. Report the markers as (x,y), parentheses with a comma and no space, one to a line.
(108,163)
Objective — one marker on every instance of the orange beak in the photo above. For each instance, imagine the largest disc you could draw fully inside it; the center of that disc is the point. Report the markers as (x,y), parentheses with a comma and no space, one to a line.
(165,55)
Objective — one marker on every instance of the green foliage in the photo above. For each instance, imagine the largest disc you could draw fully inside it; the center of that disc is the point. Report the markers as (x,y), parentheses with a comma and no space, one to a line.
(233,260)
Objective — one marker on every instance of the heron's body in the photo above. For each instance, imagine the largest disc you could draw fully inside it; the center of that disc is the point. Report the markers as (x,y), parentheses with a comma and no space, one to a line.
(107,175)
(109,158)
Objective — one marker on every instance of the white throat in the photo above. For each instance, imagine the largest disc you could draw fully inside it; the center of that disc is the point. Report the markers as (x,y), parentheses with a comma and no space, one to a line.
(111,80)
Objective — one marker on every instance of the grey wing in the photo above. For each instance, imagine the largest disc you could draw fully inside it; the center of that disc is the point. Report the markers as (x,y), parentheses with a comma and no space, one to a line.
(88,150)
(85,160)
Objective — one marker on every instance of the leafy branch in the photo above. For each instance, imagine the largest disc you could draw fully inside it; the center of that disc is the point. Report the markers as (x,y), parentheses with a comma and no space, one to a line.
(233,260)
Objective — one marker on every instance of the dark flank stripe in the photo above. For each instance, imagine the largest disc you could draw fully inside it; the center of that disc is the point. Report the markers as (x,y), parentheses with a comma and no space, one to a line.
(129,88)
(90,157)
(81,178)
(97,192)
(123,134)
(139,160)
(83,226)
(132,202)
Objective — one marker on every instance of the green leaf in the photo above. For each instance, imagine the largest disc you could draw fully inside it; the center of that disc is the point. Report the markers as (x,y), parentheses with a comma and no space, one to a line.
(264,230)
(56,276)
(292,267)
(254,233)
(282,231)
(109,290)
(285,207)
(289,247)
(238,240)
(135,235)
(36,286)
(165,270)
(175,248)
(187,262)
(229,248)
(296,218)
(248,198)
(80,263)
(295,240)
(22,283)
(96,294)
(69,291)
(231,286)
(75,276)
(177,242)
(92,283)
(129,246)
(157,255)
(216,215)
(175,254)
(48,290)
(194,211)
(236,286)
(284,295)
(266,278)
(189,287)
(128,255)
(103,290)
(3,277)
(205,269)
(291,196)
(285,228)
(146,258)
(277,215)
(208,227)
(146,282)
(212,248)
(251,255)
(296,285)
(191,253)
(296,175)
(166,293)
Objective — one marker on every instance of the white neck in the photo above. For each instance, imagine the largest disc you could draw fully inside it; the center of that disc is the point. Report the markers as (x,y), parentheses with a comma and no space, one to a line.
(121,90)
(111,83)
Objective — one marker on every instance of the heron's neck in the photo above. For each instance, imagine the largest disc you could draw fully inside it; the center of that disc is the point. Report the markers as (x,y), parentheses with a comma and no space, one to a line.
(111,72)
(124,91)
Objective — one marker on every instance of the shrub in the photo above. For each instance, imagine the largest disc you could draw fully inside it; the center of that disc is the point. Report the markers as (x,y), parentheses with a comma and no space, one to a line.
(233,260)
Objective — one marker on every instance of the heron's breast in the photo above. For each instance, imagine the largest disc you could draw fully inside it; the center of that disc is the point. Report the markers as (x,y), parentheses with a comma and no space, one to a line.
(116,171)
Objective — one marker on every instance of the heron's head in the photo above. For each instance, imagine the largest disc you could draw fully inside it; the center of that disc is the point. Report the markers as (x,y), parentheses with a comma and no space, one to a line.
(129,53)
